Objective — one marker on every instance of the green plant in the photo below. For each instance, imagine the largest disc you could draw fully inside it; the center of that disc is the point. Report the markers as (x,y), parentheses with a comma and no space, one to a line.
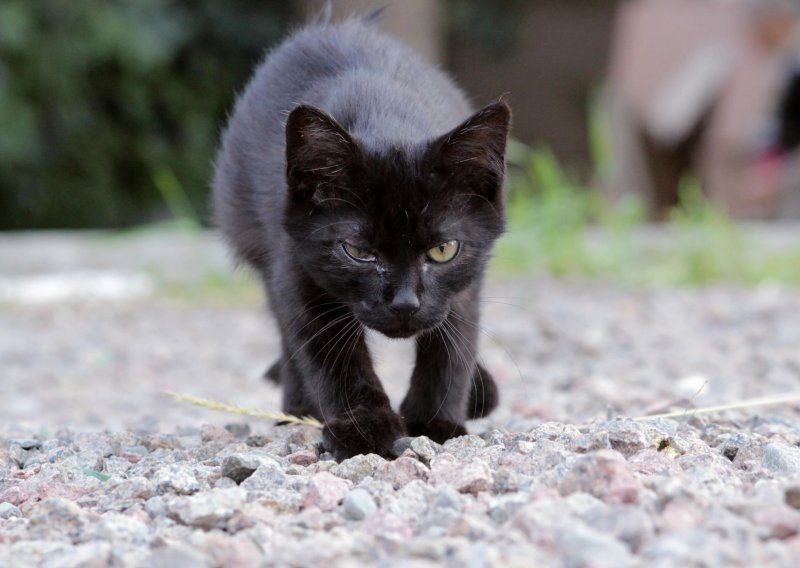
(561,228)
(110,110)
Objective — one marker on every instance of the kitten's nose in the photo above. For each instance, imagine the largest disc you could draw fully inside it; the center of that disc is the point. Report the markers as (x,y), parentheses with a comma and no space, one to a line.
(405,301)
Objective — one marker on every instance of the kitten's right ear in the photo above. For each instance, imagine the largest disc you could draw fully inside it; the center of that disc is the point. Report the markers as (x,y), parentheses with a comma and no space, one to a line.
(318,152)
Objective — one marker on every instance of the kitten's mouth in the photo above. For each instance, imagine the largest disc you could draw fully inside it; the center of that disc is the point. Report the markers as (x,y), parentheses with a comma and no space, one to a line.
(400,329)
(401,332)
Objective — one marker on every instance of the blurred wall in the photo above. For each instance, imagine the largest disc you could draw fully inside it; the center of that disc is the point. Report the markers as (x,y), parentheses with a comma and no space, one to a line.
(111,111)
(556,53)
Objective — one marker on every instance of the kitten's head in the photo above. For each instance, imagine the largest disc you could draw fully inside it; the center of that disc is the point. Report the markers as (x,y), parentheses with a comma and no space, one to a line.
(395,232)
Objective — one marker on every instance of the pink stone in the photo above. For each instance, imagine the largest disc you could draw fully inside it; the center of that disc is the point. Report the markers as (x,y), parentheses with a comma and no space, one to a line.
(402,471)
(325,491)
(209,433)
(68,491)
(782,521)
(471,477)
(604,474)
(651,462)
(387,525)
(679,514)
(14,495)
(303,457)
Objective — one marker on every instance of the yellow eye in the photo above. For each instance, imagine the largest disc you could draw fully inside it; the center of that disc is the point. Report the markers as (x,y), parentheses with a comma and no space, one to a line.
(358,254)
(444,252)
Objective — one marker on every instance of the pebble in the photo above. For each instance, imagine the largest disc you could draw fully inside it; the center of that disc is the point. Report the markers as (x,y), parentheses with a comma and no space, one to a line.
(239,467)
(25,443)
(122,531)
(7,510)
(473,476)
(424,448)
(176,478)
(529,487)
(212,433)
(605,474)
(781,459)
(401,471)
(208,510)
(358,504)
(325,491)
(357,468)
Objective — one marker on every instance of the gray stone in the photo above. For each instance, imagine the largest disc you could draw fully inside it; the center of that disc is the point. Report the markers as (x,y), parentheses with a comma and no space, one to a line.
(155,506)
(268,475)
(18,455)
(133,453)
(25,443)
(238,429)
(358,467)
(57,554)
(401,445)
(582,546)
(425,448)
(122,530)
(134,488)
(448,498)
(302,438)
(358,504)
(98,443)
(464,446)
(627,436)
(7,510)
(58,518)
(241,466)
(174,555)
(781,459)
(33,458)
(503,507)
(176,478)
(207,510)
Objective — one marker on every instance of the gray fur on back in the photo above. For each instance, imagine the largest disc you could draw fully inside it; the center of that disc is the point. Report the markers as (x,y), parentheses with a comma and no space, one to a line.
(374,86)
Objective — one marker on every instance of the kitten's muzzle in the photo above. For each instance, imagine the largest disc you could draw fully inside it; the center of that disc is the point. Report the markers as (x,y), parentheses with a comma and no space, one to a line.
(405,303)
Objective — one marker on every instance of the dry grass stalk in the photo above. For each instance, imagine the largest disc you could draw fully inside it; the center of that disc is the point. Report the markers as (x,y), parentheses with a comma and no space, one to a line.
(242,410)
(786,398)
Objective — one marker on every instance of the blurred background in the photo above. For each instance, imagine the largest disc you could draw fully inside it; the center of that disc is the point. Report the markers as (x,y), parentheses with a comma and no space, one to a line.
(625,110)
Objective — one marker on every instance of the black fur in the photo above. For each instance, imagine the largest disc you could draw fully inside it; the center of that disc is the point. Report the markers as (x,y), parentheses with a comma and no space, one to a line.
(344,135)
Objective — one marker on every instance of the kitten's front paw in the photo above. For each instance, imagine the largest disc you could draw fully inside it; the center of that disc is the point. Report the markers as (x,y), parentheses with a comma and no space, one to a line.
(437,430)
(363,431)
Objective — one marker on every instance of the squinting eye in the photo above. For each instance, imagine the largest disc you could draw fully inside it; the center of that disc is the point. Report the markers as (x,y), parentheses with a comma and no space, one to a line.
(444,252)
(358,254)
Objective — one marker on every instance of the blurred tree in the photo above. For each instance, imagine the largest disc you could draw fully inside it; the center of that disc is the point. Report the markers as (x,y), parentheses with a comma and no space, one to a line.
(110,110)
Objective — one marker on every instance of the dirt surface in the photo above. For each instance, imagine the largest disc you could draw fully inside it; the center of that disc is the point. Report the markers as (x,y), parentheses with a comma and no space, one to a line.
(97,465)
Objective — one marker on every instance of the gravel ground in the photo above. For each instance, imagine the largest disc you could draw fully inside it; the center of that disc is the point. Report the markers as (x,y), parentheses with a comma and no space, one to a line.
(98,468)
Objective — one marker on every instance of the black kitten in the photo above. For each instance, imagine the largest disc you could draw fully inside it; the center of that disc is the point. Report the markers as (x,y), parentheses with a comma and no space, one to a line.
(354,180)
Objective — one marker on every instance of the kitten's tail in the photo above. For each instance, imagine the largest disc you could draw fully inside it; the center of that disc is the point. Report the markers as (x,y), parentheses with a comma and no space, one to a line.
(325,15)
(374,17)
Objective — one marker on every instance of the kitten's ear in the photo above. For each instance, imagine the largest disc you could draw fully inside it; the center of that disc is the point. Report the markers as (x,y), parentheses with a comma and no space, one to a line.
(472,156)
(318,151)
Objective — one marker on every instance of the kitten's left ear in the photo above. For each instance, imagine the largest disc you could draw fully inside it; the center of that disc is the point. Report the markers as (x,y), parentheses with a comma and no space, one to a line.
(319,152)
(472,156)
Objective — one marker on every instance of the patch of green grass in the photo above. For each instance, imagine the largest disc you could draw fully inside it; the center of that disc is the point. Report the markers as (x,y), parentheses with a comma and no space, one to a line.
(96,474)
(559,228)
(216,288)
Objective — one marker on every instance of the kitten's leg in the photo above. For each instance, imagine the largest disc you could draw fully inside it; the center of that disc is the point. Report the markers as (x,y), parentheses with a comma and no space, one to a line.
(330,355)
(295,401)
(437,402)
(273,373)
(483,396)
